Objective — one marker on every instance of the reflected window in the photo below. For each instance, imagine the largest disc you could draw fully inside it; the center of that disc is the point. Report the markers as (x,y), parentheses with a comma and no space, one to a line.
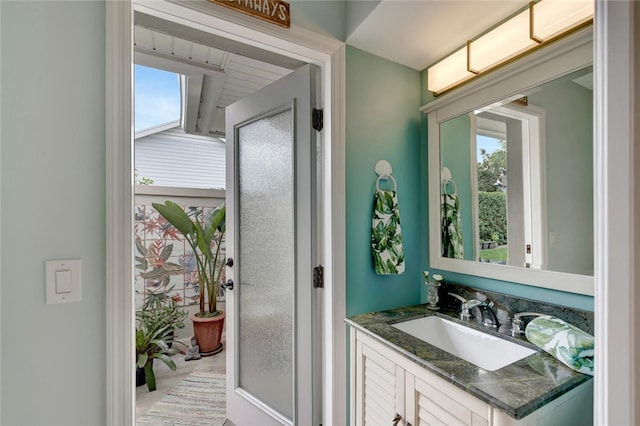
(491,174)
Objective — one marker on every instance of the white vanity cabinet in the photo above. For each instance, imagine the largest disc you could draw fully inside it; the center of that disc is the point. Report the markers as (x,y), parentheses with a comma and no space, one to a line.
(387,387)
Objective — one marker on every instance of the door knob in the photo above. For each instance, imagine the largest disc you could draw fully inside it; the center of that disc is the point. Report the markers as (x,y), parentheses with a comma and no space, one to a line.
(228,285)
(229,262)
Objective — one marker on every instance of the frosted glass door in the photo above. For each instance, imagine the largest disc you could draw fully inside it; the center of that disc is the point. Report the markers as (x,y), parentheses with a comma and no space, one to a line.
(273,367)
(266,263)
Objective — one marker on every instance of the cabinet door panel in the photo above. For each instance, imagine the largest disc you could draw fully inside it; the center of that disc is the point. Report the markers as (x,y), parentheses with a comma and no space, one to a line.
(379,388)
(477,420)
(447,409)
(425,418)
(427,405)
(381,379)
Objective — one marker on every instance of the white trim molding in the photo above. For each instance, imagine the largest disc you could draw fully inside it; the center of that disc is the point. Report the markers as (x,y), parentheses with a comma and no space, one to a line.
(119,214)
(297,43)
(617,224)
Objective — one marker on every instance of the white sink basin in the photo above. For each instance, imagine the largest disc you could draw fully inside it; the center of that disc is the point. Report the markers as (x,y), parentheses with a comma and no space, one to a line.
(482,349)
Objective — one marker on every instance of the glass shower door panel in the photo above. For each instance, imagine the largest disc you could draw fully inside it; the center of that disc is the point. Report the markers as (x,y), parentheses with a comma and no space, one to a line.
(267,260)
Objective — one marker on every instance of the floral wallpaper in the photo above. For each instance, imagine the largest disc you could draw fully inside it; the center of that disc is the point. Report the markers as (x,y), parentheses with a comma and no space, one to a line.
(164,261)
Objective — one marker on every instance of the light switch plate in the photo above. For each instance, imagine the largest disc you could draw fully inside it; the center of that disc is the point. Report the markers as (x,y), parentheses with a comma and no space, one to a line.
(63,279)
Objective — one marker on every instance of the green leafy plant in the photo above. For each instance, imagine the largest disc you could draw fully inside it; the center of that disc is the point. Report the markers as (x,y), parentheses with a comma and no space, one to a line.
(162,312)
(492,215)
(141,180)
(201,240)
(152,343)
(492,167)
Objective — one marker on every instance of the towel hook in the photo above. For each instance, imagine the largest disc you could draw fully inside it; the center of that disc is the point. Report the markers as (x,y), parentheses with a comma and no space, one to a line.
(383,168)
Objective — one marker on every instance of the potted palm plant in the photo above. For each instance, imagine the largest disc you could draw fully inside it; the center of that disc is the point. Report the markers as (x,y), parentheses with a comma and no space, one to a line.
(205,241)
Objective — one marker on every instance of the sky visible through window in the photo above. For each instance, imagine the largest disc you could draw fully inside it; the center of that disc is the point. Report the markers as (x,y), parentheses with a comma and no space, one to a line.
(487,143)
(157,97)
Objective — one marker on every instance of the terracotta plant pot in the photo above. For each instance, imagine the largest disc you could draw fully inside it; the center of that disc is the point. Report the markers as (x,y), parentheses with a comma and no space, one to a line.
(208,332)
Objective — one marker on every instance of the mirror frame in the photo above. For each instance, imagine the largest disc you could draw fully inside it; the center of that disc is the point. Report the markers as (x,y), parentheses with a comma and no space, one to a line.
(567,55)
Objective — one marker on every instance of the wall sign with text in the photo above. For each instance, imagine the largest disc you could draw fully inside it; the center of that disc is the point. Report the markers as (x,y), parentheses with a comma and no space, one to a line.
(274,11)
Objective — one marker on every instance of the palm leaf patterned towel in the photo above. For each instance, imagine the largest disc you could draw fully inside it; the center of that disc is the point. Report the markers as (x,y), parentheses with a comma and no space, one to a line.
(386,235)
(570,345)
(452,246)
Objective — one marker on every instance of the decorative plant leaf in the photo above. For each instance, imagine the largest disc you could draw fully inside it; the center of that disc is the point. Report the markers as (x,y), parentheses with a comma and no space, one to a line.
(173,268)
(142,359)
(142,263)
(175,215)
(140,247)
(216,222)
(154,274)
(166,251)
(203,244)
(164,358)
(155,248)
(150,377)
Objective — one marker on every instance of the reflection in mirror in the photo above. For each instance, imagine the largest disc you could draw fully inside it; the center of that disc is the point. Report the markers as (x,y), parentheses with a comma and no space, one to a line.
(517,179)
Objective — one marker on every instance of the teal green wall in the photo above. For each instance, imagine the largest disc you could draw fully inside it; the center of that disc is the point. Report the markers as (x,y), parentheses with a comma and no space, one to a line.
(382,123)
(456,155)
(536,293)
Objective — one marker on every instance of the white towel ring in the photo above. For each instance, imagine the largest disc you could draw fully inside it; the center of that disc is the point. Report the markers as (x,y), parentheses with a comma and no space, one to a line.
(385,177)
(444,187)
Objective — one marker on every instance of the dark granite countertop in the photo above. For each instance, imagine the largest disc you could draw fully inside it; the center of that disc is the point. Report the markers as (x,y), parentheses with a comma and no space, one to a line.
(517,389)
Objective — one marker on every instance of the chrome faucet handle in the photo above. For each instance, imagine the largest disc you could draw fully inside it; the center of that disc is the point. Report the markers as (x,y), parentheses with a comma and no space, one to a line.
(488,322)
(465,315)
(465,309)
(516,322)
(472,303)
(485,307)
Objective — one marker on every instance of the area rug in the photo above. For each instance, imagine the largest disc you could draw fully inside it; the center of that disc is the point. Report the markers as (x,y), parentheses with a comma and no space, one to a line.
(199,399)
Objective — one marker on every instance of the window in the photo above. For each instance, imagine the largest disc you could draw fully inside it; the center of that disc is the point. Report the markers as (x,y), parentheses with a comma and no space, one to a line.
(157,98)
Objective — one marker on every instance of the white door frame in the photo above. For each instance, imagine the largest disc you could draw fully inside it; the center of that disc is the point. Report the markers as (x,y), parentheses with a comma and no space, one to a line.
(535,204)
(617,212)
(296,42)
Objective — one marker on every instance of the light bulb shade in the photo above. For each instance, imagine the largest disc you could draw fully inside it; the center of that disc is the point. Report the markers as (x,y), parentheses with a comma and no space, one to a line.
(449,72)
(551,18)
(501,44)
(541,22)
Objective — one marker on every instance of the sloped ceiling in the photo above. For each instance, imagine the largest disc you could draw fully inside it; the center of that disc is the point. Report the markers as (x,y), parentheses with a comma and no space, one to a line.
(418,33)
(216,76)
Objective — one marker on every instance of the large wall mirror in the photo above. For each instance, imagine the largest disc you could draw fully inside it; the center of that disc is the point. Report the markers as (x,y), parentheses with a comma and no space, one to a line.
(511,172)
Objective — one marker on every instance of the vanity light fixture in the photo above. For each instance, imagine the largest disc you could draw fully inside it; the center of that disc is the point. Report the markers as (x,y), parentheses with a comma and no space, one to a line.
(540,23)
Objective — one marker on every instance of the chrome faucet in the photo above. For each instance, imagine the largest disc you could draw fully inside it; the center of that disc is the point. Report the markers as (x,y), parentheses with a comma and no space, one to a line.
(517,322)
(467,305)
(484,308)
